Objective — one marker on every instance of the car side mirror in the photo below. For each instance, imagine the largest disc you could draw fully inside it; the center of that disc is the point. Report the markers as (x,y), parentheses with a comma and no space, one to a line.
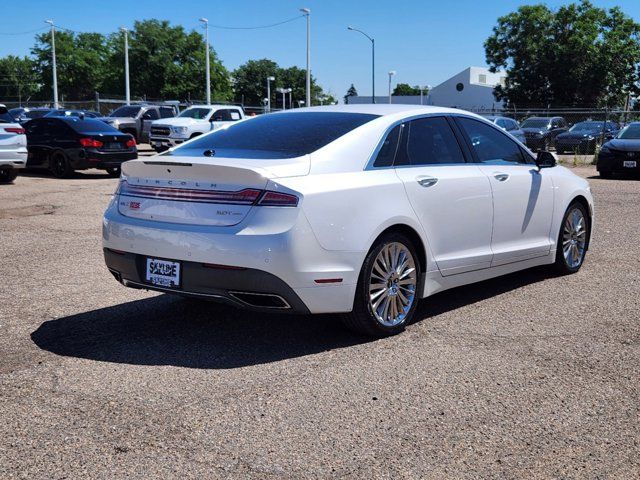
(545,159)
(146,116)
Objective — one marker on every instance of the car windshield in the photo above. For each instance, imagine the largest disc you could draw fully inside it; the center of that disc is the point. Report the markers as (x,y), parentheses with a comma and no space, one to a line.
(197,113)
(630,132)
(535,123)
(587,126)
(127,111)
(278,135)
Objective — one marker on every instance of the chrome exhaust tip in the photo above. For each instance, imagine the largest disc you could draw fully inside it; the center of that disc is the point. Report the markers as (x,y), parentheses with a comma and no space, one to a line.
(261,300)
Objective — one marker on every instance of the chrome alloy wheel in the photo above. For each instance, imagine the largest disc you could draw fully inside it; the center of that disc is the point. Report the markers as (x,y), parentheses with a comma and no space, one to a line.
(574,238)
(392,285)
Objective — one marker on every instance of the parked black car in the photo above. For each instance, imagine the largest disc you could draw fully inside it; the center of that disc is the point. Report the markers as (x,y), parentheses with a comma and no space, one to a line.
(541,132)
(584,137)
(73,113)
(65,144)
(621,154)
(24,114)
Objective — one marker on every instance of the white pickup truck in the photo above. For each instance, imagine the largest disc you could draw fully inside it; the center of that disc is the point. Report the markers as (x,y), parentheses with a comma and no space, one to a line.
(194,121)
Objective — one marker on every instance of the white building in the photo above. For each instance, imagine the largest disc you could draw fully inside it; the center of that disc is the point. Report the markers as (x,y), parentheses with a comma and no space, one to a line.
(471,89)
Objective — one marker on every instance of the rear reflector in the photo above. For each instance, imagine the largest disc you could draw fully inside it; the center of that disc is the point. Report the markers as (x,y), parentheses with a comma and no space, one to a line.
(18,130)
(328,280)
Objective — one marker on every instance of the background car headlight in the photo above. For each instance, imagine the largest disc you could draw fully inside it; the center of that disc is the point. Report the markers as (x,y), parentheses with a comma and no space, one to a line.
(179,129)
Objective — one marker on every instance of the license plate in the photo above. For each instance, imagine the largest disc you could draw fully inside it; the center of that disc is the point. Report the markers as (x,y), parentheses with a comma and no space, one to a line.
(163,273)
(113,146)
(629,164)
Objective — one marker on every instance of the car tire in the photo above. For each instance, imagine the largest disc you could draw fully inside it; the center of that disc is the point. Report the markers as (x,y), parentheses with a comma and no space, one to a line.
(113,171)
(8,175)
(60,166)
(573,239)
(386,297)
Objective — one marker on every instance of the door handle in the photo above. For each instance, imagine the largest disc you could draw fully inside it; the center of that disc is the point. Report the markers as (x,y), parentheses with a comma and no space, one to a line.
(501,177)
(427,181)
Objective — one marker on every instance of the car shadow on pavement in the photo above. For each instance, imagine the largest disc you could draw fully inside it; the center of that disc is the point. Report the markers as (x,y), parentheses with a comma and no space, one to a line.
(166,330)
(77,175)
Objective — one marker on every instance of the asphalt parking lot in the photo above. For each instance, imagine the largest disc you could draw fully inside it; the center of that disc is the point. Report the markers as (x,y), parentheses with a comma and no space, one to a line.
(526,376)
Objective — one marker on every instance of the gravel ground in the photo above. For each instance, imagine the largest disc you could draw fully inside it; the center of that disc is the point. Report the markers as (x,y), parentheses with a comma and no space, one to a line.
(527,376)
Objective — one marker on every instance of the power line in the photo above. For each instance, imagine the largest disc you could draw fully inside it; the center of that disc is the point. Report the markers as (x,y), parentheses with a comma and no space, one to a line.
(257,27)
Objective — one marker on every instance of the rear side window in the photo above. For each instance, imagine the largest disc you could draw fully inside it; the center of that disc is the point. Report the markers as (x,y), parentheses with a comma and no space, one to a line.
(428,141)
(388,149)
(226,115)
(276,135)
(490,145)
(34,127)
(166,112)
(151,115)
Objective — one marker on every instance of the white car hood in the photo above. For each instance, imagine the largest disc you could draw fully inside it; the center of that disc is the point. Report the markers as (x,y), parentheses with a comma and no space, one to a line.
(180,122)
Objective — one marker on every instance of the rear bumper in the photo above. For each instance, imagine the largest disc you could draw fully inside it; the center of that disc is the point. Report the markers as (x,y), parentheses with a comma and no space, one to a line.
(246,288)
(90,158)
(276,249)
(615,163)
(16,158)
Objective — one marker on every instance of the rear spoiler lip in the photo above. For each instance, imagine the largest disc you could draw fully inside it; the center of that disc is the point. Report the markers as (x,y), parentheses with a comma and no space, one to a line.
(155,162)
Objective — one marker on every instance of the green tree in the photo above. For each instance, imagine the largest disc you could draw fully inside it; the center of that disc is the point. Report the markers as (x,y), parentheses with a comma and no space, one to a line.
(81,60)
(18,78)
(352,92)
(250,83)
(165,62)
(576,55)
(405,89)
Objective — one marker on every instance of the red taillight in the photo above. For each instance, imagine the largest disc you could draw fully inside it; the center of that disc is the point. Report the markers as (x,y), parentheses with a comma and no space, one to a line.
(277,199)
(91,142)
(131,143)
(18,130)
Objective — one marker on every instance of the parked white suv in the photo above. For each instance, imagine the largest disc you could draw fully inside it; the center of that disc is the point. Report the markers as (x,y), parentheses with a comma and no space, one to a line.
(13,147)
(193,121)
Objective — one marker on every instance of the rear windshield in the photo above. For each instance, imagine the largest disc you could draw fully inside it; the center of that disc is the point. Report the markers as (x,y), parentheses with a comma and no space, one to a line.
(535,123)
(630,132)
(36,113)
(587,126)
(128,111)
(6,118)
(278,135)
(89,125)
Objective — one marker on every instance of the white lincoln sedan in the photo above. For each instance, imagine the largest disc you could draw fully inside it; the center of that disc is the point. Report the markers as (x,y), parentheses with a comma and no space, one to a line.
(357,209)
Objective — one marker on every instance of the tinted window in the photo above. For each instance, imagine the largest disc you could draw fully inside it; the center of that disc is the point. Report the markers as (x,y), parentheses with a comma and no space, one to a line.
(535,123)
(166,112)
(489,144)
(225,115)
(388,149)
(428,141)
(34,127)
(55,128)
(89,125)
(276,135)
(630,132)
(36,113)
(197,113)
(127,111)
(512,125)
(5,118)
(151,115)
(502,123)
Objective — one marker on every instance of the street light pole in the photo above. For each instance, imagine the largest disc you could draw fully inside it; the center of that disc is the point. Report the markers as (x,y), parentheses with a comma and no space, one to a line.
(290,97)
(373,62)
(269,80)
(208,72)
(53,64)
(126,65)
(391,74)
(307,13)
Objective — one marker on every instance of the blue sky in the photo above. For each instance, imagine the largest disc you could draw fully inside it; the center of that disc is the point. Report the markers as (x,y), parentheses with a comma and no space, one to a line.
(424,41)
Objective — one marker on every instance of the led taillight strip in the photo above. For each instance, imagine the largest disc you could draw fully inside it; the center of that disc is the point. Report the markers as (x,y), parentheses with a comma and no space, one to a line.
(248,196)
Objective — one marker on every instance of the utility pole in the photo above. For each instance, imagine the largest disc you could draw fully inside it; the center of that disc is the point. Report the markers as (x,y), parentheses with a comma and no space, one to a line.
(208,73)
(53,54)
(127,92)
(391,74)
(269,80)
(307,13)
